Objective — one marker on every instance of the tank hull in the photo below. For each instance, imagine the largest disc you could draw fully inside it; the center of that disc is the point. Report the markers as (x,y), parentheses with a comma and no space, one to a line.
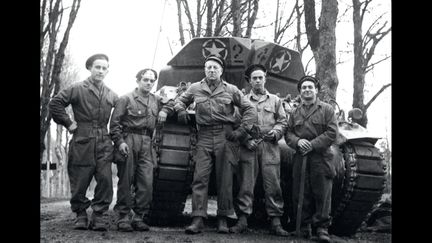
(357,187)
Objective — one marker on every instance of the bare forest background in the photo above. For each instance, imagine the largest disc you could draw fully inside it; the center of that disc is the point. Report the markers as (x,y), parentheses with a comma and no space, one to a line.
(306,26)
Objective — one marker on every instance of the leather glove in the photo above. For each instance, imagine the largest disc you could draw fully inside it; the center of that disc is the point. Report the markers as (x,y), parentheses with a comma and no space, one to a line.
(237,135)
(183,117)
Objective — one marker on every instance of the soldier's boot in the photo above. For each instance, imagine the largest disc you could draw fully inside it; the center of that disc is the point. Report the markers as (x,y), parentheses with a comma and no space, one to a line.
(323,235)
(138,223)
(306,231)
(124,223)
(81,221)
(222,225)
(241,225)
(196,227)
(99,222)
(276,227)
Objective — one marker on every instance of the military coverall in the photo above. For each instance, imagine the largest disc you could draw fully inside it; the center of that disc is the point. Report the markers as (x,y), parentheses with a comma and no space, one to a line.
(318,125)
(133,121)
(215,118)
(91,149)
(265,158)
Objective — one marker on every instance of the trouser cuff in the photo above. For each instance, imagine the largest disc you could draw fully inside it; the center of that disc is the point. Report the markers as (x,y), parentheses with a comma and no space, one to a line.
(199,213)
(225,212)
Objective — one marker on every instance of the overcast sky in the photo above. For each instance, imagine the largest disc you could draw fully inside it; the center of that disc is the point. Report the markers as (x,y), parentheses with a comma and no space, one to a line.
(127,31)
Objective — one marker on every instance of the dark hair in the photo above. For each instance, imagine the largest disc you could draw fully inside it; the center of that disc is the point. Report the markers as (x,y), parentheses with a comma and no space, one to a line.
(142,72)
(252,68)
(90,60)
(311,79)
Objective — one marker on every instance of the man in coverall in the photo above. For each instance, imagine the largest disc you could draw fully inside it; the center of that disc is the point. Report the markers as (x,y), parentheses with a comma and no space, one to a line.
(91,149)
(132,124)
(312,128)
(218,139)
(261,153)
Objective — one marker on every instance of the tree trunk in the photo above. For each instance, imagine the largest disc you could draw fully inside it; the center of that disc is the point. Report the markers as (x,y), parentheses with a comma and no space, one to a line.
(220,14)
(359,71)
(236,14)
(189,16)
(298,28)
(66,187)
(323,45)
(179,14)
(251,18)
(209,29)
(276,26)
(199,17)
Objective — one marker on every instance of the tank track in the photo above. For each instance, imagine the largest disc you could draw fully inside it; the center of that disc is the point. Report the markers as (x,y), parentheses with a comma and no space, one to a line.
(173,176)
(360,189)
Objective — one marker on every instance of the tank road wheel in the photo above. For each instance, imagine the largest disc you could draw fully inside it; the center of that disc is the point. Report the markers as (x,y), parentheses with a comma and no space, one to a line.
(173,176)
(360,189)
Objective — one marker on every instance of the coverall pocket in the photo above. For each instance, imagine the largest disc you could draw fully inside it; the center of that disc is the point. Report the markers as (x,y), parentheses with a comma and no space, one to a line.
(271,154)
(81,151)
(232,153)
(224,105)
(136,113)
(269,114)
(201,105)
(319,124)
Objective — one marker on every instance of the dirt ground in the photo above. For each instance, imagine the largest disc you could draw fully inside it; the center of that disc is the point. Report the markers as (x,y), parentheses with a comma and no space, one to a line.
(56,225)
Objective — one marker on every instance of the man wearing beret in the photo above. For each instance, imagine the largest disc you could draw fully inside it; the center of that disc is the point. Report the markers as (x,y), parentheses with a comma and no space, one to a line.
(218,139)
(132,124)
(261,154)
(91,148)
(312,128)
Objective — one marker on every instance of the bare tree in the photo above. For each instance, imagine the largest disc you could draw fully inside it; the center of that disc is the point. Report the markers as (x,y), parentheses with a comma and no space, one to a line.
(364,49)
(52,55)
(221,16)
(221,10)
(179,14)
(322,41)
(251,16)
(281,25)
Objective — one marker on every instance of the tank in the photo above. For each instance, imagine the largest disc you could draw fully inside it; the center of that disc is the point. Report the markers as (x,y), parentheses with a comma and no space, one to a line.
(361,170)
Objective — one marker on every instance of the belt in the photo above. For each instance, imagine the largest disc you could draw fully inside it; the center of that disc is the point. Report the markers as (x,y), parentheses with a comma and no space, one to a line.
(214,127)
(92,124)
(140,131)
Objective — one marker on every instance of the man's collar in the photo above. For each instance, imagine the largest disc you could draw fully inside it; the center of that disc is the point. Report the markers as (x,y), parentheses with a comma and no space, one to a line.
(137,93)
(255,96)
(316,102)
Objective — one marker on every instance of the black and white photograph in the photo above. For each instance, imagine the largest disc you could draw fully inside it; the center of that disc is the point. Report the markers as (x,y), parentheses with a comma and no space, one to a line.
(215,121)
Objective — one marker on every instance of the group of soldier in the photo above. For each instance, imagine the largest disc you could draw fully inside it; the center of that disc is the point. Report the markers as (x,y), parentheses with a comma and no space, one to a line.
(237,133)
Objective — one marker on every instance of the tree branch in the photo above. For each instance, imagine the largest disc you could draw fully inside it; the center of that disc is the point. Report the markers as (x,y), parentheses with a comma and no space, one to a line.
(375,40)
(189,16)
(307,64)
(376,95)
(370,67)
(366,3)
